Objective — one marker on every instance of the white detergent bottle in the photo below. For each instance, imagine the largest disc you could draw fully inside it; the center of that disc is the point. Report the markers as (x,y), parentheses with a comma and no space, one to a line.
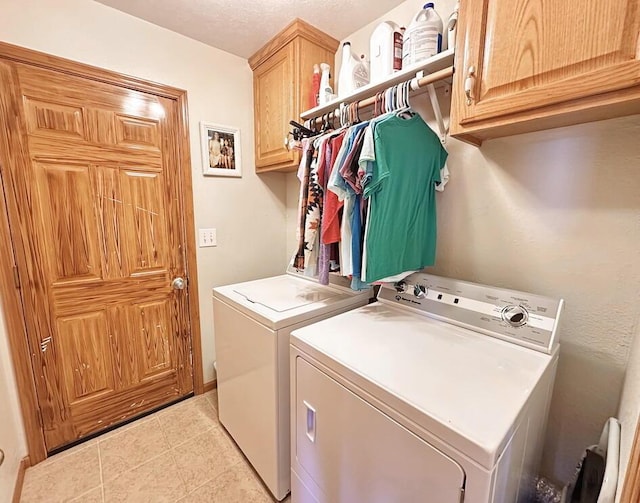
(452,26)
(326,93)
(423,38)
(385,50)
(353,72)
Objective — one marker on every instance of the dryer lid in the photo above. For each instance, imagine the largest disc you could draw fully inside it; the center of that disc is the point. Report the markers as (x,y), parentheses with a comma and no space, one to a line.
(282,294)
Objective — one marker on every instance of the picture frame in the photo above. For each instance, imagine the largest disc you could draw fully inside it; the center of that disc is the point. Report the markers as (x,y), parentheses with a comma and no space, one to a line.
(221,149)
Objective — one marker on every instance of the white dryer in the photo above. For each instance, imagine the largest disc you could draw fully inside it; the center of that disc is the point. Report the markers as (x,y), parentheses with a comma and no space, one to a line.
(252,322)
(437,393)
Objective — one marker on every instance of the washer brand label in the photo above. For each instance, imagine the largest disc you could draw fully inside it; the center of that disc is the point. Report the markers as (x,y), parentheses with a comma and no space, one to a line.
(410,301)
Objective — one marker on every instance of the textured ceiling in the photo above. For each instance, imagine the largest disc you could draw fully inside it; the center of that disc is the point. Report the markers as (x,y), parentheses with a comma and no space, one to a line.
(241,27)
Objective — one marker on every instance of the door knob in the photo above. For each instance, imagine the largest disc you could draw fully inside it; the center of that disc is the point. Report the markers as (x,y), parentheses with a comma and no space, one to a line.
(178,284)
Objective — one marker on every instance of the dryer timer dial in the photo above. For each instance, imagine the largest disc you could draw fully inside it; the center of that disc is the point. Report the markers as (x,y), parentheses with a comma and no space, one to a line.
(516,316)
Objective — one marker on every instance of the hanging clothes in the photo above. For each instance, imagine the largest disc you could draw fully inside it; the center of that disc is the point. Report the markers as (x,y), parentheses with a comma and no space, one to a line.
(304,170)
(331,206)
(314,210)
(331,220)
(401,227)
(367,199)
(339,186)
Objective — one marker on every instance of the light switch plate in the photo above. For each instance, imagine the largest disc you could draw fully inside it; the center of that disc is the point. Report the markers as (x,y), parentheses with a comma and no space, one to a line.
(208,238)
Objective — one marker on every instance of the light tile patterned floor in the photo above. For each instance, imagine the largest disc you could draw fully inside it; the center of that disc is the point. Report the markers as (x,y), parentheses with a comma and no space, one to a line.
(181,453)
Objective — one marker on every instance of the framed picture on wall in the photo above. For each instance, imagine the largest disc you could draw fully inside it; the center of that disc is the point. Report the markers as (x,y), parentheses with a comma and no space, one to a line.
(220,150)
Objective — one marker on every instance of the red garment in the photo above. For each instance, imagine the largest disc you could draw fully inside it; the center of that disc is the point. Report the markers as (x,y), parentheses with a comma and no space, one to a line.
(332,206)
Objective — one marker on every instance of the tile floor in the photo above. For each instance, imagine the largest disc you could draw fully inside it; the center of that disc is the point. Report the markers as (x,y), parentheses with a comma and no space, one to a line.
(181,453)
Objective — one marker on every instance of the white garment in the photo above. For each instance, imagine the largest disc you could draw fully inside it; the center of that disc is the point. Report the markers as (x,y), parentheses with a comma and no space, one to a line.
(346,255)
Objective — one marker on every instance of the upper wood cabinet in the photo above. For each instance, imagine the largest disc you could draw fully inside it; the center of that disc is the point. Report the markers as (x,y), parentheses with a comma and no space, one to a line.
(538,64)
(282,75)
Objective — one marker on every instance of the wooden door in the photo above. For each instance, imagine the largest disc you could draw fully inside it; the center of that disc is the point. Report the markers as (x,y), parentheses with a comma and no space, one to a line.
(275,91)
(528,55)
(96,215)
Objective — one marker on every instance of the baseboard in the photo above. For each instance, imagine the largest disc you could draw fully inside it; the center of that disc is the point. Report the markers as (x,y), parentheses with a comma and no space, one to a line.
(17,489)
(208,386)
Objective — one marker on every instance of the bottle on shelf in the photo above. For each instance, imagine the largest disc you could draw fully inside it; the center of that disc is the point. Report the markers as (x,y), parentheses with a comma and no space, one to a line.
(385,51)
(452,25)
(423,38)
(314,93)
(353,72)
(326,92)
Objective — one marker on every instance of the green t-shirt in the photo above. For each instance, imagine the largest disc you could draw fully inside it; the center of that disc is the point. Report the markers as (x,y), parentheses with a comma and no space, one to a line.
(401,228)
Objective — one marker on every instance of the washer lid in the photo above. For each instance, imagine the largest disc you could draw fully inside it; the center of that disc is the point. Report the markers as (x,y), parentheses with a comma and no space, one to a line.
(281,294)
(285,300)
(467,389)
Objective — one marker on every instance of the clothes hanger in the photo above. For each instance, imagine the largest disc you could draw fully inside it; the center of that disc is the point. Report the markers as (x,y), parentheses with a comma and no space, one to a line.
(404,107)
(354,113)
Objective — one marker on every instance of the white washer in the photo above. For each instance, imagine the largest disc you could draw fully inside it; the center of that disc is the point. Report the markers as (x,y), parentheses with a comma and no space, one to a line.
(439,393)
(252,322)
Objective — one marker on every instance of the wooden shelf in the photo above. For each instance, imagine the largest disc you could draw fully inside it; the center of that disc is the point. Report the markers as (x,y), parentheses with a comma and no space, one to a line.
(431,65)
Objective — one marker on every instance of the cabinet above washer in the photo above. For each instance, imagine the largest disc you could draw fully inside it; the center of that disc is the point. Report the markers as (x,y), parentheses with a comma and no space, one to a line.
(524,66)
(282,75)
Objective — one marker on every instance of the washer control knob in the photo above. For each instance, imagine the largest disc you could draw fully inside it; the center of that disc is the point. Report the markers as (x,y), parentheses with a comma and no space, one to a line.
(401,286)
(420,291)
(516,316)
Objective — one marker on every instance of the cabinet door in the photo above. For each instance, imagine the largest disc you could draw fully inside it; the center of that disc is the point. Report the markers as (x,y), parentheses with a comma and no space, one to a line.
(275,98)
(352,452)
(532,54)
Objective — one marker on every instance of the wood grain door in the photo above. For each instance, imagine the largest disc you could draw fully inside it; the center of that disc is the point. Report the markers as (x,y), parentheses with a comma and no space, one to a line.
(97,217)
(533,54)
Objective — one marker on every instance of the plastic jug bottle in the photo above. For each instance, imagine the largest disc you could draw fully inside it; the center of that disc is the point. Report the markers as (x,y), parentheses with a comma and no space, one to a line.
(385,50)
(326,93)
(353,72)
(452,25)
(423,38)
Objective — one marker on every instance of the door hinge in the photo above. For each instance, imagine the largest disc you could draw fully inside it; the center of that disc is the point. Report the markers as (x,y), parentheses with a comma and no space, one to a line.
(16,277)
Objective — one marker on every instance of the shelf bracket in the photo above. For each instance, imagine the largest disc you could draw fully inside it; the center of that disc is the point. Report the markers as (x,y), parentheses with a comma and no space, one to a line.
(443,130)
(438,113)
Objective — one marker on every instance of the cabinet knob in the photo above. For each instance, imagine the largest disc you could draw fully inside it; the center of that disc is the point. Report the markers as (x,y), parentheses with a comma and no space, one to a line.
(469,84)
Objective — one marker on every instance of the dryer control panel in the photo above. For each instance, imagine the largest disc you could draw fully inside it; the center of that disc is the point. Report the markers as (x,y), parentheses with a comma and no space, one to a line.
(521,318)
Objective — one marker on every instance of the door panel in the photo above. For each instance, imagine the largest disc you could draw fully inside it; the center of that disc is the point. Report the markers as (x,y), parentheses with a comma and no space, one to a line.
(68,221)
(93,174)
(51,119)
(153,321)
(145,217)
(85,348)
(136,132)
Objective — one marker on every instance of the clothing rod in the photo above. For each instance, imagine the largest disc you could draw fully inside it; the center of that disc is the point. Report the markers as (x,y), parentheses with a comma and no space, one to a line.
(416,88)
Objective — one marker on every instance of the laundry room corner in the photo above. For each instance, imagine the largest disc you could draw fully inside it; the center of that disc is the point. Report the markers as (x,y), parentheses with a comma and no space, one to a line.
(553,212)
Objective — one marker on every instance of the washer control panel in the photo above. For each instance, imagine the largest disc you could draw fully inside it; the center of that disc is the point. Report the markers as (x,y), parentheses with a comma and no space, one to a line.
(521,318)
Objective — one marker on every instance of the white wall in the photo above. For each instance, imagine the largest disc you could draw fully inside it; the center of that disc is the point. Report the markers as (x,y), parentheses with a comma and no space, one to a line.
(555,213)
(249,213)
(629,412)
(12,440)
